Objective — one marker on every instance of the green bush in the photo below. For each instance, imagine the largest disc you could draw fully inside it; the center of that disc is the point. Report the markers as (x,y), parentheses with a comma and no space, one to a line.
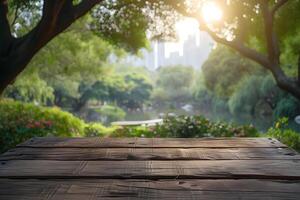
(21,121)
(133,131)
(198,126)
(286,136)
(187,127)
(287,107)
(111,113)
(97,129)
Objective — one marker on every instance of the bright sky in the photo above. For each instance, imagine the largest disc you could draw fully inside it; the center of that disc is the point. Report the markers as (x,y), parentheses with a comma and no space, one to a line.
(210,12)
(184,28)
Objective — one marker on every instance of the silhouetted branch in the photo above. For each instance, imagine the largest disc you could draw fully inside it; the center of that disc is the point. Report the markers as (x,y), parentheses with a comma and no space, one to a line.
(6,37)
(86,5)
(278,5)
(270,35)
(15,15)
(299,70)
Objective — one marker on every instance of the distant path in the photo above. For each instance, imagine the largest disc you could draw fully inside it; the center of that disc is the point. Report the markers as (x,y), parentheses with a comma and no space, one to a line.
(138,123)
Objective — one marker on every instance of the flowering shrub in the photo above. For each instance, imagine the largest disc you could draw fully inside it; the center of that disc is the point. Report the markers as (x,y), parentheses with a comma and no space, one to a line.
(187,127)
(21,121)
(198,126)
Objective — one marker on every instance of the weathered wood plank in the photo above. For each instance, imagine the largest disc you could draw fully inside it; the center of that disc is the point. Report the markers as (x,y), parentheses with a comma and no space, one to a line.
(68,154)
(154,142)
(145,189)
(251,169)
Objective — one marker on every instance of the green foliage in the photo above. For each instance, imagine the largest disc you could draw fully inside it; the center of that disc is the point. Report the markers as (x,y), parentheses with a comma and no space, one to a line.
(128,23)
(128,32)
(98,130)
(139,91)
(246,97)
(285,135)
(290,55)
(171,88)
(187,127)
(255,90)
(224,69)
(287,107)
(111,113)
(21,121)
(77,54)
(126,90)
(198,126)
(24,90)
(137,131)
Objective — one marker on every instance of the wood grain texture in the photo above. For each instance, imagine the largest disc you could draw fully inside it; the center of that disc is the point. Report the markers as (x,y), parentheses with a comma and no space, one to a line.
(153,142)
(147,189)
(267,169)
(70,154)
(150,168)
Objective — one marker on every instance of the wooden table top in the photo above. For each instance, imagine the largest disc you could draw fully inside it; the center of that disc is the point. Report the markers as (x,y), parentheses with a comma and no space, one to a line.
(154,168)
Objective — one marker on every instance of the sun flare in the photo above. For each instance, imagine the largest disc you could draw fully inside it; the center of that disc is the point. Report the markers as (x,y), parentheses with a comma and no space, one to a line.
(211,12)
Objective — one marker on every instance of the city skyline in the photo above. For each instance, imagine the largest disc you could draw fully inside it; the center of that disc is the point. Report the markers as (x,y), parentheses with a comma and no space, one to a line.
(192,50)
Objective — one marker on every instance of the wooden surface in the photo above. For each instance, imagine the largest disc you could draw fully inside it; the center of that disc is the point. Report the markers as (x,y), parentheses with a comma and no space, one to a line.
(139,168)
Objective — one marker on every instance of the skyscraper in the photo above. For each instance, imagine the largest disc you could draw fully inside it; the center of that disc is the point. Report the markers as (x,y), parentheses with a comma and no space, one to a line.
(193,52)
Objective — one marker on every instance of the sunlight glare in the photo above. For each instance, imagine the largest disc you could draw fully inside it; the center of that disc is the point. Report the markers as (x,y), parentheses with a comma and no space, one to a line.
(184,28)
(211,12)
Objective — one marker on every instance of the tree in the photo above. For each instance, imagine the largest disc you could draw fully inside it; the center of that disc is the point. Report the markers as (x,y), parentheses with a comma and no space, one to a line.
(16,53)
(139,91)
(48,18)
(269,22)
(73,57)
(253,91)
(224,69)
(174,83)
(24,90)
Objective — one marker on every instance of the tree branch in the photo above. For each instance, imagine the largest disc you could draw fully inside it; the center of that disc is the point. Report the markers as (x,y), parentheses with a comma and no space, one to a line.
(278,5)
(86,5)
(15,15)
(71,13)
(5,32)
(43,32)
(236,44)
(240,47)
(299,70)
(51,11)
(57,15)
(271,38)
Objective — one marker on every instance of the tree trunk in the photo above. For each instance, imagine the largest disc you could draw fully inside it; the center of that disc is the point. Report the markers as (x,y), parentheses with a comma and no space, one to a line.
(15,60)
(8,72)
(285,83)
(299,70)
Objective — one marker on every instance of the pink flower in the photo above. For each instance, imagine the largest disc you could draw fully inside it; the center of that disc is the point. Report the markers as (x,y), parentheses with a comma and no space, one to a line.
(29,126)
(48,123)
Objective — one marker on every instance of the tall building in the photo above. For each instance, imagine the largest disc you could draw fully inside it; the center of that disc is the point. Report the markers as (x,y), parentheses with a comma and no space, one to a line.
(192,52)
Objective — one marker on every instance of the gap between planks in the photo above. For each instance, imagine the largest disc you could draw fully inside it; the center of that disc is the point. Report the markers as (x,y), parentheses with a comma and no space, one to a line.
(153,143)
